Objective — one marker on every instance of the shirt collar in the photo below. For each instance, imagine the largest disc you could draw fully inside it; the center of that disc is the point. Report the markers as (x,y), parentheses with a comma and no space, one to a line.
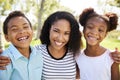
(13,50)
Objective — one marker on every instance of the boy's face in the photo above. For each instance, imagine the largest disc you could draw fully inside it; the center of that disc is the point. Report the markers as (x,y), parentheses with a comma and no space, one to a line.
(19,32)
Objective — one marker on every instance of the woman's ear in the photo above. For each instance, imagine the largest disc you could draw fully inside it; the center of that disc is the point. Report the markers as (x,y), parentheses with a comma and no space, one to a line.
(83,29)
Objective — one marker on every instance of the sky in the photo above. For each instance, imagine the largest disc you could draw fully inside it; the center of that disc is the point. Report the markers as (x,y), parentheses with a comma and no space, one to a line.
(79,5)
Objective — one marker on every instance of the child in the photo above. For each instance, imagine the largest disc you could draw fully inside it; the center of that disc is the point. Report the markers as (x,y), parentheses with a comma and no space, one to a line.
(18,30)
(94,62)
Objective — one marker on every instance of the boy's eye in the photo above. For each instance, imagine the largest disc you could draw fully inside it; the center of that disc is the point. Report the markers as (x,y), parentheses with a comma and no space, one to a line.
(14,29)
(26,26)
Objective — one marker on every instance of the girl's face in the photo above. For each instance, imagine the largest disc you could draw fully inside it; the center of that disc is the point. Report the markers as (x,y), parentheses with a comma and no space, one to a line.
(59,34)
(95,30)
(19,32)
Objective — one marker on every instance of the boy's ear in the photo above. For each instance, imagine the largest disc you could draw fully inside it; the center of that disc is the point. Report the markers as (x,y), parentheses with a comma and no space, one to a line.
(6,37)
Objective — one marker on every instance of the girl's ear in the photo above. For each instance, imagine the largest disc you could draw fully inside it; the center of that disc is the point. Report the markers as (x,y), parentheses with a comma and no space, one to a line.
(6,37)
(106,34)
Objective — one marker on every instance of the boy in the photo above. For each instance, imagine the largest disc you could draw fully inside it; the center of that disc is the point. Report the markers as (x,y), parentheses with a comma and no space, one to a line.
(18,30)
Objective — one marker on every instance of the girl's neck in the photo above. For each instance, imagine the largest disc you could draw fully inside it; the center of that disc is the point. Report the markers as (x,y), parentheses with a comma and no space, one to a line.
(94,51)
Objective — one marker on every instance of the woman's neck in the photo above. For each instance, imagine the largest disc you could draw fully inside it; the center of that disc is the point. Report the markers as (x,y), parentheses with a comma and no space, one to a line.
(57,53)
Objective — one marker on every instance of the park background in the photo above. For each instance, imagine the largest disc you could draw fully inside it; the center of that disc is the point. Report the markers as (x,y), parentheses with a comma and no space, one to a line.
(38,10)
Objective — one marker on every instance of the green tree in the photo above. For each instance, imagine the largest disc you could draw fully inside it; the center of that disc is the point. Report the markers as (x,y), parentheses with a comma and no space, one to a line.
(5,5)
(45,9)
(40,9)
(114,2)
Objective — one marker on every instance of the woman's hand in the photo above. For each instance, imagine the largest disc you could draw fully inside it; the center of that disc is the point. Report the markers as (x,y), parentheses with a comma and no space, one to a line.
(3,61)
(116,56)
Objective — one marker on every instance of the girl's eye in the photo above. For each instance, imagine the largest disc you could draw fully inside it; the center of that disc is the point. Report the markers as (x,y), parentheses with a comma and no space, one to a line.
(100,30)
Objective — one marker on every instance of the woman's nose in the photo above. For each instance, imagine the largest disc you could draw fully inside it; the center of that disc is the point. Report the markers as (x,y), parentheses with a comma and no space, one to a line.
(60,37)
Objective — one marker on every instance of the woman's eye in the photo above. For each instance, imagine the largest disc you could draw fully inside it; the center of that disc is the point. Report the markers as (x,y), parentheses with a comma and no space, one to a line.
(67,33)
(89,27)
(55,30)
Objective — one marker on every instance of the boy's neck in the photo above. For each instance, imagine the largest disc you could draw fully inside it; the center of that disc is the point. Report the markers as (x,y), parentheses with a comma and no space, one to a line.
(25,52)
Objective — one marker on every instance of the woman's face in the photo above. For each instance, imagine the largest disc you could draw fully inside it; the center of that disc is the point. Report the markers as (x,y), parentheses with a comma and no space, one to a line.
(59,34)
(95,30)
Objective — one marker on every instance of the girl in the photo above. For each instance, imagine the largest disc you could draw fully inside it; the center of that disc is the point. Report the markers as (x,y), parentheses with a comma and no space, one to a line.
(94,62)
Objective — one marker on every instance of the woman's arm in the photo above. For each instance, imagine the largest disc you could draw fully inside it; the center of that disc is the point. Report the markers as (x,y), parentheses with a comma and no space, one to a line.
(116,56)
(3,61)
(77,73)
(115,73)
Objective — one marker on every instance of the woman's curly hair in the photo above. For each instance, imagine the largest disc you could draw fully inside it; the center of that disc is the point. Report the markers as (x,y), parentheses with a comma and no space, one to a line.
(73,44)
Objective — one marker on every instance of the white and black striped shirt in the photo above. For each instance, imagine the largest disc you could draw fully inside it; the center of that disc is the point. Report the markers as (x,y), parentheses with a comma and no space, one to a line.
(57,69)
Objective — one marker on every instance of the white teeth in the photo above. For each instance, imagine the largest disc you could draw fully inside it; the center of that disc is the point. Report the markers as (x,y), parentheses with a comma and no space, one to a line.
(92,38)
(22,38)
(58,43)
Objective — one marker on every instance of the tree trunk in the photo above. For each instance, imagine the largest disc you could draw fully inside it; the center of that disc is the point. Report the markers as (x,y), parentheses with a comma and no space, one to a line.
(40,19)
(1,37)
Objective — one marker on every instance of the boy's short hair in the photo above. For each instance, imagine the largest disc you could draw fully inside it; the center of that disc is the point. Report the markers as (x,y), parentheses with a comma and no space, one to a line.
(13,15)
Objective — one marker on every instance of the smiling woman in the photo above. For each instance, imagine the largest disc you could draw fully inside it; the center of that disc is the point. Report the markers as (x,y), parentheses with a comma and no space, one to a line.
(60,39)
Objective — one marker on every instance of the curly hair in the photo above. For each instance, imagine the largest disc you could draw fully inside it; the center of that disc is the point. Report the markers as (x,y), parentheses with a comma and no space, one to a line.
(74,42)
(110,18)
(13,15)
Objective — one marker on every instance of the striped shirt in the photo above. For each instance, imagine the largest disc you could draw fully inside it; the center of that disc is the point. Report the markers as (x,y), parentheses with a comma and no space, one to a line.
(57,69)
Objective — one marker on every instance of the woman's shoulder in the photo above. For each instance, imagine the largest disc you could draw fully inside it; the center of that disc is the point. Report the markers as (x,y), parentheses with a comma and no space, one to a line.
(80,53)
(40,46)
